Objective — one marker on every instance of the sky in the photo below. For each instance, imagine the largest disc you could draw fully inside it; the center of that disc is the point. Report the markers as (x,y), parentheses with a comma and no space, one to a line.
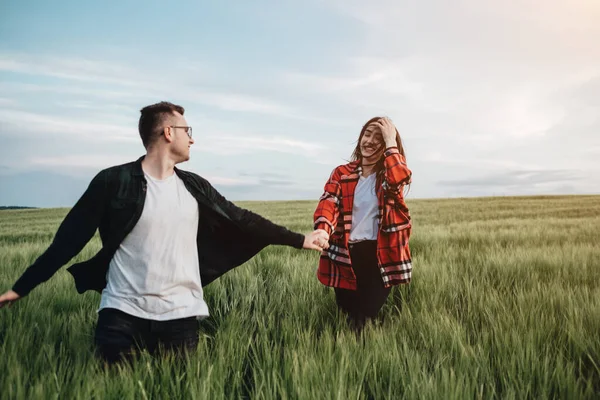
(491,98)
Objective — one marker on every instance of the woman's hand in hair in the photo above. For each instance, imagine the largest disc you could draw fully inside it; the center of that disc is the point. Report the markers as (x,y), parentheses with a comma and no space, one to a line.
(388,131)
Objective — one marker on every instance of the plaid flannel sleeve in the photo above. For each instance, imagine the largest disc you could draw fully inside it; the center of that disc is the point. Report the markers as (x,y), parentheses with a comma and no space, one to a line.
(328,209)
(397,173)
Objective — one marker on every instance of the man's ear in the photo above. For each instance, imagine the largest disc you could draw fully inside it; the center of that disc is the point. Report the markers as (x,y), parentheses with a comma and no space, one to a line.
(168,132)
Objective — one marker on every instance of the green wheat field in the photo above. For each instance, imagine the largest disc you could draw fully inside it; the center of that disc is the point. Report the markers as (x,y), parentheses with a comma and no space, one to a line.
(504,303)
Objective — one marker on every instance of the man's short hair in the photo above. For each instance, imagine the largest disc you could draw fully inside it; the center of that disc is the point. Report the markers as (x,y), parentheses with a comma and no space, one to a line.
(152,120)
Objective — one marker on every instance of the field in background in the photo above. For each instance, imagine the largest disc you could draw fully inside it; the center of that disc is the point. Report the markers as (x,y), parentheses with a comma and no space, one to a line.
(505,302)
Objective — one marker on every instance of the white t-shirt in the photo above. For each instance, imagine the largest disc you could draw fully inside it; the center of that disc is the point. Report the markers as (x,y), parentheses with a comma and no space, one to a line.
(154,274)
(365,210)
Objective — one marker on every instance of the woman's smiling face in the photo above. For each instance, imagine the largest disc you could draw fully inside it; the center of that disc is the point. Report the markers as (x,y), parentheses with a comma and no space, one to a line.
(371,143)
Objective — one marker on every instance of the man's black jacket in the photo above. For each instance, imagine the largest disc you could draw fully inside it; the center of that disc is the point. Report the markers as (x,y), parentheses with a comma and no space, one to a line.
(227,235)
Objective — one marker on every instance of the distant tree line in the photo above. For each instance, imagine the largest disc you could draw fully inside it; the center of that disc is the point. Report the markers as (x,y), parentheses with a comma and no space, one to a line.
(15,208)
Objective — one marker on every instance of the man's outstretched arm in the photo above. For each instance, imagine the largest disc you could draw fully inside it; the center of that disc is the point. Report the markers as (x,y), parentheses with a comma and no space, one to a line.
(269,231)
(74,232)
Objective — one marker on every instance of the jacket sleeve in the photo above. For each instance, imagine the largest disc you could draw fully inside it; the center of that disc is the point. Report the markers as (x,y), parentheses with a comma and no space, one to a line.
(255,224)
(328,210)
(73,234)
(397,174)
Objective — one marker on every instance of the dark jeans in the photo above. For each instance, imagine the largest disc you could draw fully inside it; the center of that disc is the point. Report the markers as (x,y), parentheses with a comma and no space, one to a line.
(119,335)
(364,303)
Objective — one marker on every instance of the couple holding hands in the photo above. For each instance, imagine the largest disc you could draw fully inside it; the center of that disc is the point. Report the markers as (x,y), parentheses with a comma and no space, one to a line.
(166,233)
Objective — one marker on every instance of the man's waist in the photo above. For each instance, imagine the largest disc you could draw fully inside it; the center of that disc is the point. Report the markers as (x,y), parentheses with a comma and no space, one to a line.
(157,307)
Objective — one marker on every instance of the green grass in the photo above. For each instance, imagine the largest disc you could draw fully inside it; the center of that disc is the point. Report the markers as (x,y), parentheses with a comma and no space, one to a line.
(504,303)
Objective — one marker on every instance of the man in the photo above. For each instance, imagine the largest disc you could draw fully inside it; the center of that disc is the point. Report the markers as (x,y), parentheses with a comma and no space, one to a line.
(165,233)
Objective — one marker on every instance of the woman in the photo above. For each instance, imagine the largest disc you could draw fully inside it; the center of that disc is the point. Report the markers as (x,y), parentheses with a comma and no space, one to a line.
(363,211)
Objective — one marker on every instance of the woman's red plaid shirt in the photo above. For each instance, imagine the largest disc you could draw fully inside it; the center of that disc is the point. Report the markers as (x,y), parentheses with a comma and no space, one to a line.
(334,215)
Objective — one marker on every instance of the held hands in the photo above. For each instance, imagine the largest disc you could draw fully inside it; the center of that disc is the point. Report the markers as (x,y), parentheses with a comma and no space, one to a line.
(8,298)
(317,240)
(388,131)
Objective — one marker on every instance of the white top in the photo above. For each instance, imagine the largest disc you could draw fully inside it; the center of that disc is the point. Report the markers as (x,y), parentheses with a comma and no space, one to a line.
(365,210)
(155,272)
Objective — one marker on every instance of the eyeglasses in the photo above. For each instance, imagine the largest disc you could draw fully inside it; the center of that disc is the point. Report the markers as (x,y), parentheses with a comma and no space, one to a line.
(188,129)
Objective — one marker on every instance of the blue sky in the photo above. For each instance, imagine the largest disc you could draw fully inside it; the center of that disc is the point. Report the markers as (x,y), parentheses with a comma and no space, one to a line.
(490,99)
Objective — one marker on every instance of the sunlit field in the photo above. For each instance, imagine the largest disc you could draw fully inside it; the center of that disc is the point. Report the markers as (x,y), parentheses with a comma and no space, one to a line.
(504,303)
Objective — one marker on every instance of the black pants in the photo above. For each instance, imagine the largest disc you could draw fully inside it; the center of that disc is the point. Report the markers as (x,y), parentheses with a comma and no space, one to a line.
(119,335)
(364,303)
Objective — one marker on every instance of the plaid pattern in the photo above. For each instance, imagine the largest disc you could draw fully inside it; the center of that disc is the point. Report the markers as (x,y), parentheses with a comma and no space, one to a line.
(334,215)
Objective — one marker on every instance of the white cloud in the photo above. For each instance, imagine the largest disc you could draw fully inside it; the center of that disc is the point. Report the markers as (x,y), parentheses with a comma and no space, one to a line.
(79,161)
(228,144)
(70,68)
(122,81)
(235,102)
(228,181)
(63,127)
(20,88)
(7,102)
(474,87)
